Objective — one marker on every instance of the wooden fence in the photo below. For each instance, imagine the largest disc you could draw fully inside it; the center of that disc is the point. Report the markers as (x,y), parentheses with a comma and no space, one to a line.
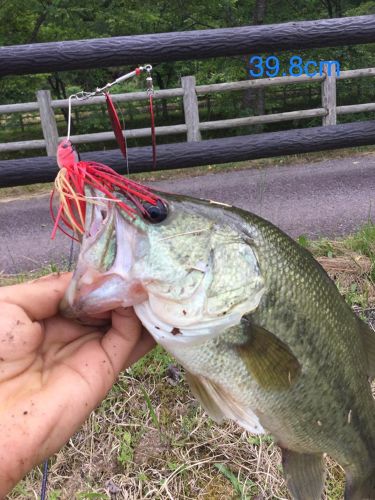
(189,92)
(185,45)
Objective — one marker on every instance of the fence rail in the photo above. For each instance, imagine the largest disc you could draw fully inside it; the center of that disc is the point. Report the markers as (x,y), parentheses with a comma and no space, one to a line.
(189,92)
(190,154)
(183,45)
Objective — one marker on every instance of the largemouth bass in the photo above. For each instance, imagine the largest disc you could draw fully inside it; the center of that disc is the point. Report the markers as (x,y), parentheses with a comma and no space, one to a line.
(265,337)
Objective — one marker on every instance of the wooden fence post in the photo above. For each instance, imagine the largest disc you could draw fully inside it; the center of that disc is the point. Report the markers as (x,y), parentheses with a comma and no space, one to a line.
(329,94)
(48,121)
(191,108)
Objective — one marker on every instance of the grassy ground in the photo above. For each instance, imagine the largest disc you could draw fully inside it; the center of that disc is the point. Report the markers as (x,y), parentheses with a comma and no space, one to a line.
(39,189)
(151,439)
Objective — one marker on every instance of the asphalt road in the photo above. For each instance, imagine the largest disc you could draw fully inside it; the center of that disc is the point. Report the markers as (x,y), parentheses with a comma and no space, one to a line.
(329,198)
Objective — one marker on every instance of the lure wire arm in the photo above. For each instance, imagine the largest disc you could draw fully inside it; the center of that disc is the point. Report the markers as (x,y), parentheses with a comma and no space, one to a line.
(83,95)
(122,78)
(150,93)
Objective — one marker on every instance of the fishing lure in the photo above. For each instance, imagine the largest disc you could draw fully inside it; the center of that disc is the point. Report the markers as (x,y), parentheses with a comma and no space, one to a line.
(70,183)
(75,175)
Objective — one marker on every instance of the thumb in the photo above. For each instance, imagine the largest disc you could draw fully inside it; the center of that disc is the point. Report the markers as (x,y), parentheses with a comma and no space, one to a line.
(126,341)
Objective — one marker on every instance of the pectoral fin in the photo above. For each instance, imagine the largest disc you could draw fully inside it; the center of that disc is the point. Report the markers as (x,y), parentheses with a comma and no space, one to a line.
(268,359)
(205,396)
(304,474)
(220,403)
(368,337)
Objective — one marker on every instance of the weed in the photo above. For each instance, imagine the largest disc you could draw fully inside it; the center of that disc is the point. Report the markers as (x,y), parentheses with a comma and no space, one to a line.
(356,297)
(363,241)
(324,248)
(14,279)
(143,477)
(238,487)
(258,440)
(126,451)
(91,495)
(54,495)
(303,241)
(154,417)
(154,363)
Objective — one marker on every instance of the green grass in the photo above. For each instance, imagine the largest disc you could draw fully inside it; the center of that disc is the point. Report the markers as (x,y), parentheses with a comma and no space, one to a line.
(14,279)
(363,242)
(355,258)
(238,486)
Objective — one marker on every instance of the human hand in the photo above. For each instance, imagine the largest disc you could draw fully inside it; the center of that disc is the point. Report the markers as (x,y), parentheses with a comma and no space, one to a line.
(53,371)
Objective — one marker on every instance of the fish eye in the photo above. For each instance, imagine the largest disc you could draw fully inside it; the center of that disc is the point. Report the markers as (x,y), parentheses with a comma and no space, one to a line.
(155,213)
(65,145)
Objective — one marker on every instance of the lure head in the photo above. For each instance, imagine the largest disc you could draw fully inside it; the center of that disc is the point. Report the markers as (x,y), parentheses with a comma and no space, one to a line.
(66,155)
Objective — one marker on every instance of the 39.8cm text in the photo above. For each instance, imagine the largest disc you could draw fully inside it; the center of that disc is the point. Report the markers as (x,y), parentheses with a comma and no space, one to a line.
(270,67)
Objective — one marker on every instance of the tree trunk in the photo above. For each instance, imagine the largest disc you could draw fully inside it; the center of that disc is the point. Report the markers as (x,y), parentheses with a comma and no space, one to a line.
(21,123)
(162,86)
(334,8)
(58,86)
(253,99)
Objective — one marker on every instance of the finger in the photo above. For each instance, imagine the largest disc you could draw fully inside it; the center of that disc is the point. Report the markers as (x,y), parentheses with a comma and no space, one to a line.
(121,339)
(145,344)
(39,298)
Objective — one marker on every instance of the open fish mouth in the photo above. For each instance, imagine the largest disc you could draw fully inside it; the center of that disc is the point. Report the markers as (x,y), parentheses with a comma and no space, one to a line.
(103,278)
(103,294)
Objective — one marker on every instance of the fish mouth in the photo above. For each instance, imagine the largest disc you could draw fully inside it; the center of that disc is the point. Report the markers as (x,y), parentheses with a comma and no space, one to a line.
(103,279)
(102,294)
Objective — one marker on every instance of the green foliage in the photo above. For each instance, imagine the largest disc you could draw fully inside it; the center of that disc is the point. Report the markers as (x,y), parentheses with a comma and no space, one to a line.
(258,440)
(91,495)
(238,487)
(54,495)
(323,248)
(354,296)
(143,477)
(20,490)
(363,8)
(154,363)
(126,451)
(303,241)
(364,241)
(153,415)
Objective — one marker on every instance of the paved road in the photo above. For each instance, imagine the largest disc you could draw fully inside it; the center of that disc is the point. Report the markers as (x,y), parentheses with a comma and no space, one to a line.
(329,198)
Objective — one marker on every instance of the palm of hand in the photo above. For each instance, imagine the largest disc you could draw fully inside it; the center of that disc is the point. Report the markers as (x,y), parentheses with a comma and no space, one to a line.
(53,372)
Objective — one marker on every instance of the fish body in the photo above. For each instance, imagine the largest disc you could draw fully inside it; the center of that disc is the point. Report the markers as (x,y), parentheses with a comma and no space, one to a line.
(264,335)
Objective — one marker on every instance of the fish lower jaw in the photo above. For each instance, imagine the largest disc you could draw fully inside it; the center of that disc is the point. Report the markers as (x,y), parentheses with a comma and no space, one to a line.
(173,323)
(172,333)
